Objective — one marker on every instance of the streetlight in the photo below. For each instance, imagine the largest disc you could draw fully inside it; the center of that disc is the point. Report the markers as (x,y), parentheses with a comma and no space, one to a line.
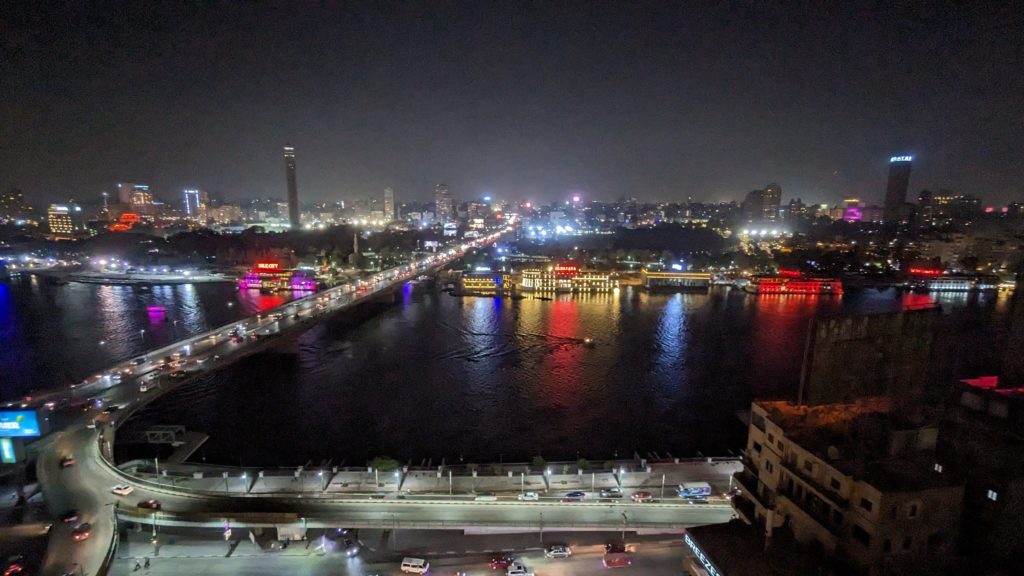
(320,475)
(624,521)
(245,484)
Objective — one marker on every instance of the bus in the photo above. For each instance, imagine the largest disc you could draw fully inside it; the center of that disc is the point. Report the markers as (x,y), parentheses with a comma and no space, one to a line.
(694,490)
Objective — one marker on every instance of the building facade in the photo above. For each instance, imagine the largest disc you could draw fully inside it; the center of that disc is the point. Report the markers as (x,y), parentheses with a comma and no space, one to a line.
(444,208)
(857,480)
(389,204)
(896,188)
(60,221)
(293,187)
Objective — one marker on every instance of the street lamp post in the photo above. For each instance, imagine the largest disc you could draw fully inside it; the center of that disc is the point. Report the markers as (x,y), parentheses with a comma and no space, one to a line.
(522,482)
(624,521)
(245,484)
(662,486)
(450,488)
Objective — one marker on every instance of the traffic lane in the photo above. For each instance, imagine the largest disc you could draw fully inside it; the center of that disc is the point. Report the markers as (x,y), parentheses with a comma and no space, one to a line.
(71,488)
(657,561)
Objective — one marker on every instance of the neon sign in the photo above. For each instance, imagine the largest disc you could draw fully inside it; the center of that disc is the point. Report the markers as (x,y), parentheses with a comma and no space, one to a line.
(19,423)
(700,556)
(901,159)
(785,273)
(268,266)
(925,272)
(566,270)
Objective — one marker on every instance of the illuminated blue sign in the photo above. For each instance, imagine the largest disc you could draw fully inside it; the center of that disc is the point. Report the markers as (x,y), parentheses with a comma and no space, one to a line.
(901,159)
(18,424)
(700,556)
(7,455)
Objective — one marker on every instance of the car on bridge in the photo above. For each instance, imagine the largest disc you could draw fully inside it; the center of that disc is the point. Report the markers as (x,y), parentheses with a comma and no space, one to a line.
(642,497)
(611,493)
(69,517)
(67,461)
(150,504)
(501,562)
(529,496)
(122,489)
(558,551)
(575,496)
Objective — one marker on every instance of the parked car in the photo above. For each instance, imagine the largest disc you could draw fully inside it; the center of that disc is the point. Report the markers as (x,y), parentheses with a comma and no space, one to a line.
(557,551)
(611,493)
(529,496)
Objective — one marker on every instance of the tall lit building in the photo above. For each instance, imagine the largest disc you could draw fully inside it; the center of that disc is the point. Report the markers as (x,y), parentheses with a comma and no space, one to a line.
(770,201)
(195,205)
(443,206)
(126,191)
(142,202)
(59,219)
(896,189)
(12,205)
(763,205)
(293,188)
(389,204)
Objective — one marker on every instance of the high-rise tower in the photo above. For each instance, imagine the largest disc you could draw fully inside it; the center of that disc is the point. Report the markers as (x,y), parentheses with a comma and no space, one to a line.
(896,190)
(442,203)
(293,189)
(389,204)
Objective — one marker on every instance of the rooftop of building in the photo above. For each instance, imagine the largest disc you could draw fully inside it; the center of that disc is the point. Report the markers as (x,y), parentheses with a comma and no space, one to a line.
(876,440)
(739,548)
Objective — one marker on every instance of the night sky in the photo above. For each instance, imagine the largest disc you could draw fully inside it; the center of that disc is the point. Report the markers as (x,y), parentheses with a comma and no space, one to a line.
(521,100)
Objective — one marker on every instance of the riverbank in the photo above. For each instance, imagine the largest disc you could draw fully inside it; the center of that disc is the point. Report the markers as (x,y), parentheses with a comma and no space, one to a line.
(142,279)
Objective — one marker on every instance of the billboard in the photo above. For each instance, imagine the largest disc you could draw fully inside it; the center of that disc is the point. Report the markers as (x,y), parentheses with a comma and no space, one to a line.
(18,424)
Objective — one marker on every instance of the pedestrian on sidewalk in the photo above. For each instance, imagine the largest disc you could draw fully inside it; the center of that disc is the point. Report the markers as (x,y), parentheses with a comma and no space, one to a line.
(146,564)
(137,566)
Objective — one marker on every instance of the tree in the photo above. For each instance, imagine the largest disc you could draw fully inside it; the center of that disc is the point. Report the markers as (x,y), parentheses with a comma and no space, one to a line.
(539,462)
(383,464)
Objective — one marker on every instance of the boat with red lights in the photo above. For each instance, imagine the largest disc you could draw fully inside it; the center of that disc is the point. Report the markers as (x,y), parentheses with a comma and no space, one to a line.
(793,282)
(269,277)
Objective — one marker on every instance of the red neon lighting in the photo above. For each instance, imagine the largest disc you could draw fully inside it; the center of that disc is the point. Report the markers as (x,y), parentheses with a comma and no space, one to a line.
(129,218)
(268,266)
(790,273)
(925,272)
(566,270)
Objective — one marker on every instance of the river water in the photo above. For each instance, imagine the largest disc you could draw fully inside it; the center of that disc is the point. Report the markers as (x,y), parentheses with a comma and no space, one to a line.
(471,379)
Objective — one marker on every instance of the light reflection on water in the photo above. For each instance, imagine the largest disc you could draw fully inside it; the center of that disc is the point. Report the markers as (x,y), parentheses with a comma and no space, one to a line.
(478,378)
(56,335)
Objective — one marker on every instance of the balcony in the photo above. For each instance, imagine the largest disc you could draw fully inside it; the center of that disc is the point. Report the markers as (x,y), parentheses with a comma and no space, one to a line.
(812,485)
(749,484)
(814,508)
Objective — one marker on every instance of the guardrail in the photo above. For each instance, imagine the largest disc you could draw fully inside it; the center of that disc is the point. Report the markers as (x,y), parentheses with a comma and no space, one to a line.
(250,521)
(108,558)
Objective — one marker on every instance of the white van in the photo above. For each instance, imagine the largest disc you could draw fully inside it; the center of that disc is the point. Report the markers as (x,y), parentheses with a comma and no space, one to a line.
(415,565)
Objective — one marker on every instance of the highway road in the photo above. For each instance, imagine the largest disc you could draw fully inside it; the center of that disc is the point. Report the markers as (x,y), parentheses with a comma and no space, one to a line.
(87,424)
(80,423)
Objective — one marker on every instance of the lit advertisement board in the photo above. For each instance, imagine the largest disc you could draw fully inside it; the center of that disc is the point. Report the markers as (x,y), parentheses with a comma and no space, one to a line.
(7,455)
(18,424)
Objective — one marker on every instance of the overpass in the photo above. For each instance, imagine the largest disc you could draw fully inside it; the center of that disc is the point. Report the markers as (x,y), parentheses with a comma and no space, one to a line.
(89,436)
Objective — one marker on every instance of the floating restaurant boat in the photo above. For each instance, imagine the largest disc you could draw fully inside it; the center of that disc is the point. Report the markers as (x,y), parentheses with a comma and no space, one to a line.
(793,282)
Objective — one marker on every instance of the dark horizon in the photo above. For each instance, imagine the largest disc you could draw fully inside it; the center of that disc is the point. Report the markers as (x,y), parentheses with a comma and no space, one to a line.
(515,100)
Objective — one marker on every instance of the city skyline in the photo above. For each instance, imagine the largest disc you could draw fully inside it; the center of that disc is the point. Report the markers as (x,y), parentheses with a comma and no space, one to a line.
(649,102)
